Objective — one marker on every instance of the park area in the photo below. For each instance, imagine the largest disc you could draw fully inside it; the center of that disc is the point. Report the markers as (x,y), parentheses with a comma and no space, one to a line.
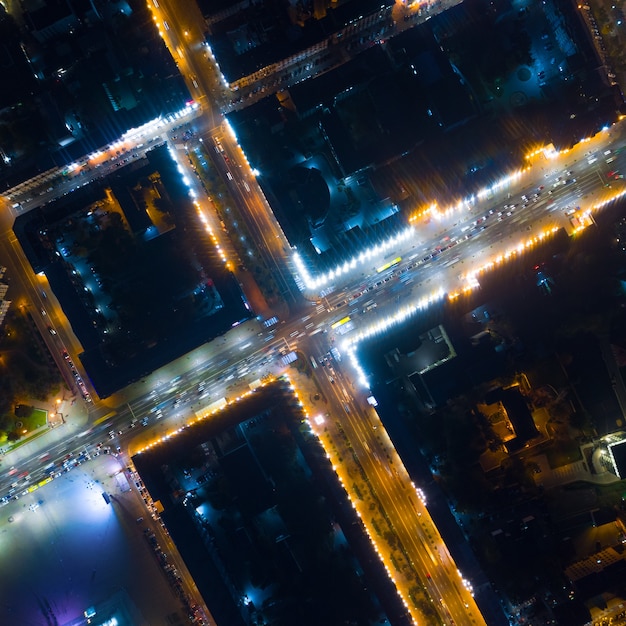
(24,422)
(28,378)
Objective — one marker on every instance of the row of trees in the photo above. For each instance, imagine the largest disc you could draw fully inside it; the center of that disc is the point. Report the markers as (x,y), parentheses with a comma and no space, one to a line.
(235,224)
(27,373)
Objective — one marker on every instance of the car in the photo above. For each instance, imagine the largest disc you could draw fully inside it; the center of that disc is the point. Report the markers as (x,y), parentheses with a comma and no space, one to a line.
(51,330)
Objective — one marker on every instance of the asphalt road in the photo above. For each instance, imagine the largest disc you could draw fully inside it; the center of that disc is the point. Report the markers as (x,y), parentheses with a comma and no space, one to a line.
(480,234)
(387,501)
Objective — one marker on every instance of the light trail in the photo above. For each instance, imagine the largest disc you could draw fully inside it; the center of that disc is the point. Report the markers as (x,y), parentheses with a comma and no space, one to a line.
(317,426)
(203,414)
(316,281)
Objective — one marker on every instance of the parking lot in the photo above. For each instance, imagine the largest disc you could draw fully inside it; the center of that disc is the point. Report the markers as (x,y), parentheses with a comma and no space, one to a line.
(64,549)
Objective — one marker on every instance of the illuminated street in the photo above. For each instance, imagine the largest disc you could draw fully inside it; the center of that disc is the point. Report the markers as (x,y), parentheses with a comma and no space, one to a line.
(247,346)
(441,254)
(92,550)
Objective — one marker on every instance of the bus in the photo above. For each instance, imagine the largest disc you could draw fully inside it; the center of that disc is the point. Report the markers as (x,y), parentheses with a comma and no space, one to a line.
(340,322)
(389,265)
(104,418)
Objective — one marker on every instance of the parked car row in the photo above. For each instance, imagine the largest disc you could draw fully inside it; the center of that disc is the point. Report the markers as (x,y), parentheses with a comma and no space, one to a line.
(79,381)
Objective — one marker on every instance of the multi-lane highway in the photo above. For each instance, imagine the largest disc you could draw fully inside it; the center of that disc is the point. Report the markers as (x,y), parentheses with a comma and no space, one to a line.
(438,254)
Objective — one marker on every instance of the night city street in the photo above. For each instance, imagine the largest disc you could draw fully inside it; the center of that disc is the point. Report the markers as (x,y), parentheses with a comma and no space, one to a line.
(312,313)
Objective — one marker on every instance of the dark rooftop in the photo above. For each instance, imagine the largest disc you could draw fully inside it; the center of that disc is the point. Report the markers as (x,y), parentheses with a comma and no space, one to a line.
(262,33)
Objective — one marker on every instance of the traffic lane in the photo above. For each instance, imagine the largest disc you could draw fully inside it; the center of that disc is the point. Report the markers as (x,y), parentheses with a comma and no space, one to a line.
(261,214)
(65,450)
(479,242)
(187,370)
(258,220)
(205,204)
(264,221)
(90,169)
(362,426)
(337,452)
(212,376)
(404,502)
(420,559)
(391,493)
(35,465)
(66,187)
(437,503)
(376,281)
(399,576)
(559,196)
(185,17)
(429,544)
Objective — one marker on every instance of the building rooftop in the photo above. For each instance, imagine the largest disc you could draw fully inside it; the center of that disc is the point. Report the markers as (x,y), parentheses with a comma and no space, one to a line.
(617,452)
